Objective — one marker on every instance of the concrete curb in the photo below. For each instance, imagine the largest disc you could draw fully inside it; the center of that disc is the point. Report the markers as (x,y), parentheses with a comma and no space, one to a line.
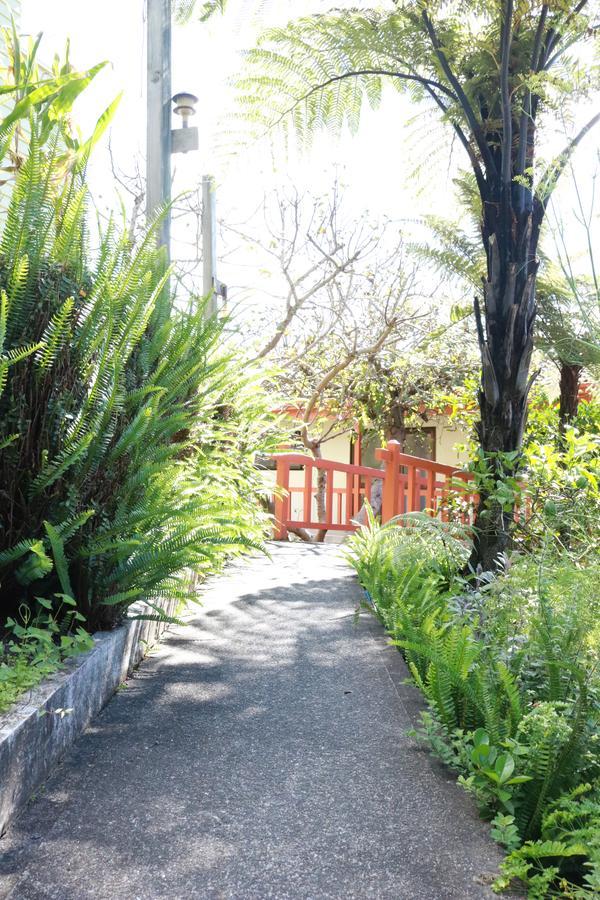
(44,723)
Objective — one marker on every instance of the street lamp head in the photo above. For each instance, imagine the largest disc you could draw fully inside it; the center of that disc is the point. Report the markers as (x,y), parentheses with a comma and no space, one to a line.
(185,106)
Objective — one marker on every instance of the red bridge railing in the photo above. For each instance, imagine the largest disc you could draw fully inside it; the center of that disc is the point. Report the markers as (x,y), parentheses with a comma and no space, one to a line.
(331,494)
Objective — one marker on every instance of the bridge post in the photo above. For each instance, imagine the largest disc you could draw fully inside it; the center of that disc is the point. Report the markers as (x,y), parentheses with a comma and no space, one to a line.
(391,480)
(282,500)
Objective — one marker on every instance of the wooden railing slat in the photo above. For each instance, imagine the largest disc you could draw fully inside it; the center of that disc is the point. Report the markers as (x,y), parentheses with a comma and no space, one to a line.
(349,479)
(307,501)
(329,497)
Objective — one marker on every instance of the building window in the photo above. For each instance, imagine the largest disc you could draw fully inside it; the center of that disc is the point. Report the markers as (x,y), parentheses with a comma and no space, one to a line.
(418,442)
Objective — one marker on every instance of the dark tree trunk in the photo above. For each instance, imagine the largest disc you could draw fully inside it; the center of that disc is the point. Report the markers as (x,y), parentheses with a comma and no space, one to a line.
(569,393)
(510,234)
(396,427)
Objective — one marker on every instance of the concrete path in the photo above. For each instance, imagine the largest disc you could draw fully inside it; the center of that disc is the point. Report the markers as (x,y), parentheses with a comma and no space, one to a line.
(260,753)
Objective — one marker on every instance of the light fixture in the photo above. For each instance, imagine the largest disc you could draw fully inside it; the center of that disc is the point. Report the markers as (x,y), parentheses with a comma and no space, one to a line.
(185,106)
(185,138)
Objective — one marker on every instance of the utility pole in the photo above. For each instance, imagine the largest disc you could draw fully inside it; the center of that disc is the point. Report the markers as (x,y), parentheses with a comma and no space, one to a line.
(209,244)
(158,131)
(161,142)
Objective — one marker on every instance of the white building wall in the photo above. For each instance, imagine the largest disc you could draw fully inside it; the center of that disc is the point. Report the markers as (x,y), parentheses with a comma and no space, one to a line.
(448,440)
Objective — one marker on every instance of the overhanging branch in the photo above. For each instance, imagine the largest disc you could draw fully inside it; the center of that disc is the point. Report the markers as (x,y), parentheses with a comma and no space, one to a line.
(477,170)
(556,32)
(555,169)
(356,73)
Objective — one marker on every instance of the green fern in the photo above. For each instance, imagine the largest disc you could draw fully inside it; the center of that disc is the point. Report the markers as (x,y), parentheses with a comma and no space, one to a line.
(119,472)
(565,860)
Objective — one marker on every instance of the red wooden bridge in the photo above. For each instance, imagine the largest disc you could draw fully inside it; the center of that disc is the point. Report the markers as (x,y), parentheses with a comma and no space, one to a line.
(409,484)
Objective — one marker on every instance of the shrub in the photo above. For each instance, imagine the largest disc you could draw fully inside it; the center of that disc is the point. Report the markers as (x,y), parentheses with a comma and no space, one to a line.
(565,859)
(36,647)
(127,434)
(509,667)
(563,486)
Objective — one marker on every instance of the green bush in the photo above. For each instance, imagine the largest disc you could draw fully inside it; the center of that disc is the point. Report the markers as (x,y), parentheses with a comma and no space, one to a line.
(543,423)
(509,667)
(127,432)
(565,860)
(36,647)
(563,489)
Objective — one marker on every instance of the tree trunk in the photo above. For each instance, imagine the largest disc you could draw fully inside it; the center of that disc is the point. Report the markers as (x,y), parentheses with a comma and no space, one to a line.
(314,447)
(569,393)
(506,346)
(396,428)
(320,496)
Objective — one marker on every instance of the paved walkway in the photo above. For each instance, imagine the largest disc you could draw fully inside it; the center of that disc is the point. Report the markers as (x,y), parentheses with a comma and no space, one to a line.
(260,753)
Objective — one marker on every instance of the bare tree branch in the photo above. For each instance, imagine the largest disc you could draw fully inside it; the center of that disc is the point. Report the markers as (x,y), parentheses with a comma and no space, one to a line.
(556,168)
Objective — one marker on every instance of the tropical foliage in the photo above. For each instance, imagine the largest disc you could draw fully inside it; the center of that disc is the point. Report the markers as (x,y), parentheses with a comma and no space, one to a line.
(508,665)
(495,73)
(127,431)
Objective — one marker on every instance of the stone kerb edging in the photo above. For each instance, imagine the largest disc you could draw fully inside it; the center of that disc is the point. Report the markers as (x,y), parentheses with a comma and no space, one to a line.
(42,725)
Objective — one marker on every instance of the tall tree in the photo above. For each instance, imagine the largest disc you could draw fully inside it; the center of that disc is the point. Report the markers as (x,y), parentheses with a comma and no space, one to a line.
(491,69)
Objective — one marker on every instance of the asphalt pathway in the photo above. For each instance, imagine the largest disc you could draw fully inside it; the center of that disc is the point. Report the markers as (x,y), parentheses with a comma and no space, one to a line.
(261,752)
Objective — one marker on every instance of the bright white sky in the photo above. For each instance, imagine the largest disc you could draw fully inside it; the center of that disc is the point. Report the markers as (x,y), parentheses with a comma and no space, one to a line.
(204,58)
(375,165)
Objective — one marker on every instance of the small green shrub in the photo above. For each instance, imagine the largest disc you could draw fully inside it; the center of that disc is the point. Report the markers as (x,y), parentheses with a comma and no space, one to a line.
(565,860)
(492,779)
(543,423)
(563,489)
(38,644)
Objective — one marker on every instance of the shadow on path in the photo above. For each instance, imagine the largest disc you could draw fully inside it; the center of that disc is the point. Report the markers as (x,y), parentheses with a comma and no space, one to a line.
(260,753)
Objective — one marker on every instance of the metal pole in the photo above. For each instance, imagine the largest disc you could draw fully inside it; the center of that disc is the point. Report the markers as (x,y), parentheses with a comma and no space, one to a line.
(158,133)
(209,244)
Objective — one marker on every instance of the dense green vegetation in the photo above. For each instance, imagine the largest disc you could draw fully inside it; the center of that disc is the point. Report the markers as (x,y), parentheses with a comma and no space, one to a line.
(128,431)
(509,662)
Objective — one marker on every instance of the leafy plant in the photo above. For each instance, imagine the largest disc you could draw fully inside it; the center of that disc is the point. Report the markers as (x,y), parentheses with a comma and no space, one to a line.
(565,860)
(492,779)
(38,644)
(127,432)
(508,664)
(563,486)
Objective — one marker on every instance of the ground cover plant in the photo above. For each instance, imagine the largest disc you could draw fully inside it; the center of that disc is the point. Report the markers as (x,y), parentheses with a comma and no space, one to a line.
(127,431)
(509,665)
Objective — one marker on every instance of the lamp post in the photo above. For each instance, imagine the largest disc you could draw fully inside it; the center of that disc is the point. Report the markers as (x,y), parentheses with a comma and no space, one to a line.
(158,126)
(162,141)
(185,138)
